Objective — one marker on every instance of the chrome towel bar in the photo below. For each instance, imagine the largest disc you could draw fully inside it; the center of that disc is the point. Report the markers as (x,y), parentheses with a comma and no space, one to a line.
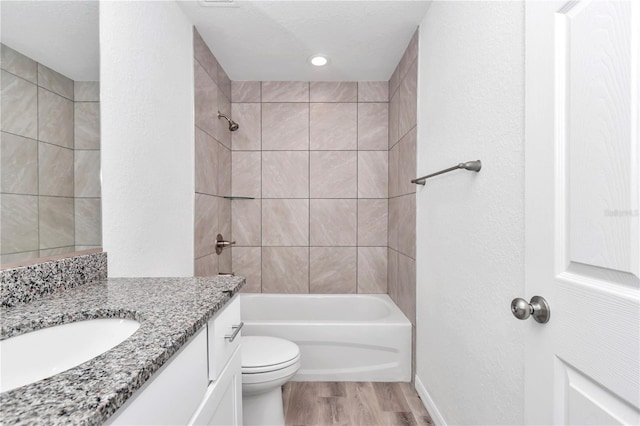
(474,166)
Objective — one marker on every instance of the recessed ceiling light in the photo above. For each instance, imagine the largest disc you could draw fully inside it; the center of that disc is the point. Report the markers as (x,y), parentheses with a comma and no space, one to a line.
(318,60)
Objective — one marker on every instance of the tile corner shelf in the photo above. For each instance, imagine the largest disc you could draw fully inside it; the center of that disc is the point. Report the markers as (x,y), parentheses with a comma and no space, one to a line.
(233,197)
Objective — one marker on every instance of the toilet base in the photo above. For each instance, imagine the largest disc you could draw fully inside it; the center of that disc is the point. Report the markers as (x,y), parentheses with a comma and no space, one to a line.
(263,409)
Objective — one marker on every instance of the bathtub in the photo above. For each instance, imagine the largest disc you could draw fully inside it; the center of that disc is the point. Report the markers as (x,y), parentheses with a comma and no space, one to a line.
(341,337)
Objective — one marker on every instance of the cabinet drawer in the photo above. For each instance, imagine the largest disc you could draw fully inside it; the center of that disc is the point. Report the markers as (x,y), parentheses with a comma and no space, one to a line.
(223,324)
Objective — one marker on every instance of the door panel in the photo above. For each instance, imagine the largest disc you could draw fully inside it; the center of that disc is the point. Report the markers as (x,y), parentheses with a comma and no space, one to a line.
(584,402)
(581,205)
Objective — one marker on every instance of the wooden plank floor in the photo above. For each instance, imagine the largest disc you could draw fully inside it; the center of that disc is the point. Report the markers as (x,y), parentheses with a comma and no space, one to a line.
(353,404)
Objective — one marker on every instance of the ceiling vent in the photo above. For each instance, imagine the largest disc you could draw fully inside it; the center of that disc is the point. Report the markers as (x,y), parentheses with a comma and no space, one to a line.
(219,3)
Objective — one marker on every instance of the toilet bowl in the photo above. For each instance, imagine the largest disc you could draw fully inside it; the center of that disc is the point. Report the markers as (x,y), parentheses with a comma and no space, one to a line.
(267,364)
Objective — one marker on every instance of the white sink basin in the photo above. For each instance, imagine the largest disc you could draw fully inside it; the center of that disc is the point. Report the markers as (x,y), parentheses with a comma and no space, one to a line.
(46,352)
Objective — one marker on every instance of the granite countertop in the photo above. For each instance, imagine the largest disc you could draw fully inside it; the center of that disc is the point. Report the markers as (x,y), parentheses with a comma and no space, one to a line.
(170,311)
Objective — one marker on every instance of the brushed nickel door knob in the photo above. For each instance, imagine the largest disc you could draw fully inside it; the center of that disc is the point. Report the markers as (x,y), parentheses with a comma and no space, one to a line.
(538,308)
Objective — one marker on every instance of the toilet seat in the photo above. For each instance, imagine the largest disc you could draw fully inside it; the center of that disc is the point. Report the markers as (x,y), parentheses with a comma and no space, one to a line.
(262,354)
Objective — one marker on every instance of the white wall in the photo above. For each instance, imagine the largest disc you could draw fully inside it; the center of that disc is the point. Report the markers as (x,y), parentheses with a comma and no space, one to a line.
(470,227)
(146,73)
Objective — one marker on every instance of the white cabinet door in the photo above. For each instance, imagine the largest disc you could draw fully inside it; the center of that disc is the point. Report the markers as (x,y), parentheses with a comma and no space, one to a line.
(173,393)
(582,224)
(222,404)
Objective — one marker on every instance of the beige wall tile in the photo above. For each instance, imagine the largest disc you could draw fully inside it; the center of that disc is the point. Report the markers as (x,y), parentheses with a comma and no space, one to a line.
(394,222)
(225,262)
(285,126)
(407,163)
(246,222)
(203,55)
(206,266)
(373,174)
(332,269)
(372,222)
(224,82)
(333,91)
(285,269)
(206,224)
(14,258)
(206,163)
(19,223)
(245,173)
(18,64)
(245,91)
(285,91)
(407,112)
(394,111)
(394,81)
(409,57)
(285,174)
(56,222)
(88,221)
(394,166)
(55,82)
(223,134)
(333,223)
(206,100)
(87,125)
(392,274)
(407,225)
(86,91)
(55,119)
(373,91)
(334,174)
(55,175)
(372,269)
(285,222)
(249,134)
(18,164)
(247,263)
(224,228)
(86,174)
(57,251)
(19,106)
(333,126)
(224,171)
(406,297)
(373,126)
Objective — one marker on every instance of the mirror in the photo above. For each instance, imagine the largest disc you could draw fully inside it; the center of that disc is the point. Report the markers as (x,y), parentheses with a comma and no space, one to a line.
(50,201)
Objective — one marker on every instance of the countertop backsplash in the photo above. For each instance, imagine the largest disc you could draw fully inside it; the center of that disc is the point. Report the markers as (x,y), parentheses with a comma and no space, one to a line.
(28,283)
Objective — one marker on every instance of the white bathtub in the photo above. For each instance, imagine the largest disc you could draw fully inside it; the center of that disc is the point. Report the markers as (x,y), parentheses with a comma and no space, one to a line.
(341,337)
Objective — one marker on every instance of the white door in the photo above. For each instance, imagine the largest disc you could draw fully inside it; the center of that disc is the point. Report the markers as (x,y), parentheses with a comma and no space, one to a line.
(581,201)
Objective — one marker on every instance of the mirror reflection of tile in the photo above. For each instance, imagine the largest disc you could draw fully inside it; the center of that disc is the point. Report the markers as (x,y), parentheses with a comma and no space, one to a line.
(50,143)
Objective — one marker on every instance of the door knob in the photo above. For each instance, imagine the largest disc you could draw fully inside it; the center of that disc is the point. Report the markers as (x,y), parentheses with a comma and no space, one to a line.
(538,308)
(221,243)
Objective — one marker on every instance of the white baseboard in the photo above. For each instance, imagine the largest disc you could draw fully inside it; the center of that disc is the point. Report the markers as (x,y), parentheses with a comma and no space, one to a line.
(436,416)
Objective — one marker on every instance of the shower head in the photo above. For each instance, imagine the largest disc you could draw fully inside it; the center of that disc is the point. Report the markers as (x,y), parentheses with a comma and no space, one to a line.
(233,126)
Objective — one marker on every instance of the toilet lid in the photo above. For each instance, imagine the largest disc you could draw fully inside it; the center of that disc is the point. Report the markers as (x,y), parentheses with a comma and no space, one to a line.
(262,353)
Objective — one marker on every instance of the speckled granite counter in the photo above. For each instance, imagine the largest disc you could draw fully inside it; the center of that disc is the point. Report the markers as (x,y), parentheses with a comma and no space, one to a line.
(170,311)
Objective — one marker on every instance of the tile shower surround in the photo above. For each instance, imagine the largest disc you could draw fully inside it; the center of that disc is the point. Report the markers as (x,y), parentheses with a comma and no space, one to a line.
(402,168)
(314,155)
(212,161)
(50,159)
(329,165)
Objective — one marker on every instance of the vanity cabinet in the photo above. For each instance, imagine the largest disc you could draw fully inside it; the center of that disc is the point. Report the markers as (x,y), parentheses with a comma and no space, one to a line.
(201,384)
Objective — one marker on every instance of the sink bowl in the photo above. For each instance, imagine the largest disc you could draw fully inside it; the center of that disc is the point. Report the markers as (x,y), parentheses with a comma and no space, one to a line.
(46,352)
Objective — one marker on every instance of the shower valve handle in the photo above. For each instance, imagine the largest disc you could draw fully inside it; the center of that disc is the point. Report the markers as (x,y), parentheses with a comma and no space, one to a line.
(221,243)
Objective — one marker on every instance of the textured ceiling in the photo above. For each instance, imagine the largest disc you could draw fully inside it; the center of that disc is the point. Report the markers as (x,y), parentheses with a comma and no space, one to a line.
(62,35)
(272,40)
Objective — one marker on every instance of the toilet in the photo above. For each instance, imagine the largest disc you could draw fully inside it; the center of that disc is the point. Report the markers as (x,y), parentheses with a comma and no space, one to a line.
(267,364)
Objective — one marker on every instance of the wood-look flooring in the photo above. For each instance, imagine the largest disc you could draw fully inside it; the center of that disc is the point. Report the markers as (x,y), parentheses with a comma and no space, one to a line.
(353,404)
